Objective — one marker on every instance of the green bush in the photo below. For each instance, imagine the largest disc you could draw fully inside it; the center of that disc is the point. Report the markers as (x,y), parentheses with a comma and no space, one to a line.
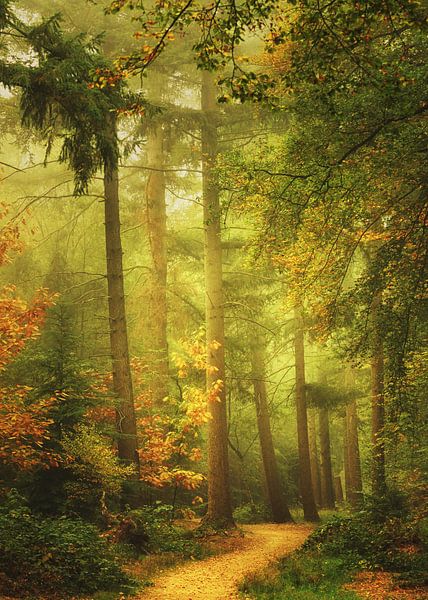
(365,541)
(40,554)
(150,529)
(251,513)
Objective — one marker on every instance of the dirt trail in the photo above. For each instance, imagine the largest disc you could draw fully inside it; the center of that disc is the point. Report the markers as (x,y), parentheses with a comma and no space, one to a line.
(218,577)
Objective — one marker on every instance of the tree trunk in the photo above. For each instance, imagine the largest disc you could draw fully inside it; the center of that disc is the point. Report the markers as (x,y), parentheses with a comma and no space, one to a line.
(327,490)
(377,404)
(277,501)
(338,490)
(309,508)
(122,380)
(354,485)
(219,511)
(346,469)
(156,228)
(313,450)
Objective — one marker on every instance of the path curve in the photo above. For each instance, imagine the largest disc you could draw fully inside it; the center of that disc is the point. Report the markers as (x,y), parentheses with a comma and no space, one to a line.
(218,577)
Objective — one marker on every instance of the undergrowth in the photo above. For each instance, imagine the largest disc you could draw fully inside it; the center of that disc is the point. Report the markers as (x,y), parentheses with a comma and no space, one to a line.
(302,576)
(150,530)
(45,555)
(383,535)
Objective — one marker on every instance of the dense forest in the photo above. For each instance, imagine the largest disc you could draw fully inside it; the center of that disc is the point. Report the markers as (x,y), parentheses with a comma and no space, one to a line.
(213,251)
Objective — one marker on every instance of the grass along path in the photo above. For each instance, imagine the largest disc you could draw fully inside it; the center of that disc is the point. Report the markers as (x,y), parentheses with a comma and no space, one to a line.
(218,577)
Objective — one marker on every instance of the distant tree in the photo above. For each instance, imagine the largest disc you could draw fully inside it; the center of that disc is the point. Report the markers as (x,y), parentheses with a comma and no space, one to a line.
(305,481)
(313,450)
(352,464)
(157,232)
(277,500)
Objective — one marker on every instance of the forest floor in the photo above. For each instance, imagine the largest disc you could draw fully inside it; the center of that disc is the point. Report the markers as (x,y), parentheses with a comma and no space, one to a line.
(218,577)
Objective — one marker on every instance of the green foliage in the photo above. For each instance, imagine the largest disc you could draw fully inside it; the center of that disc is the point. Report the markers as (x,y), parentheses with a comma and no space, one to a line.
(150,529)
(323,395)
(308,576)
(251,513)
(50,366)
(97,475)
(87,469)
(381,536)
(42,555)
(92,459)
(66,95)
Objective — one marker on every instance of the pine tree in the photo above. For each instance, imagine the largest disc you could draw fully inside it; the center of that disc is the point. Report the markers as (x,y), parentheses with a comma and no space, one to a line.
(59,97)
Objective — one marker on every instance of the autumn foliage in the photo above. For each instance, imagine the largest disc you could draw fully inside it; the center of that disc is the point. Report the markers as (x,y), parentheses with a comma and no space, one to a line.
(169,435)
(23,426)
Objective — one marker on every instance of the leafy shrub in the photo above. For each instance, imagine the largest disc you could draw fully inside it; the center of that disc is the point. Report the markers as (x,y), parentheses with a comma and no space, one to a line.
(95,473)
(53,554)
(364,541)
(150,529)
(251,513)
(392,505)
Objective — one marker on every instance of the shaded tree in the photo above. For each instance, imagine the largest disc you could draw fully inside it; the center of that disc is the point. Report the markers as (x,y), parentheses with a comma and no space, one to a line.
(219,502)
(305,481)
(277,500)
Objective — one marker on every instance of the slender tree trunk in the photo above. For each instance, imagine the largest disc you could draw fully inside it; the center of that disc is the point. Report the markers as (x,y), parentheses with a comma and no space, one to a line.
(156,228)
(313,450)
(378,404)
(338,490)
(122,380)
(327,490)
(219,511)
(309,508)
(354,481)
(346,468)
(277,501)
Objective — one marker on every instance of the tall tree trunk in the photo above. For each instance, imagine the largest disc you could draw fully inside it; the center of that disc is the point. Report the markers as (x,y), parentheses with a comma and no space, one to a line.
(156,228)
(353,448)
(277,501)
(219,511)
(378,402)
(327,490)
(309,508)
(354,481)
(122,380)
(346,469)
(313,451)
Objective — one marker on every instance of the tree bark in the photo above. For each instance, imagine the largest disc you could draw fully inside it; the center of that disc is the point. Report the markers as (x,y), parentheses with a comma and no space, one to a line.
(313,450)
(122,380)
(277,501)
(327,490)
(309,508)
(157,231)
(219,512)
(377,401)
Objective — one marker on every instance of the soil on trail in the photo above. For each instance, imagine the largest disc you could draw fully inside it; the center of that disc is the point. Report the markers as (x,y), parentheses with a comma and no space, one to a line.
(218,577)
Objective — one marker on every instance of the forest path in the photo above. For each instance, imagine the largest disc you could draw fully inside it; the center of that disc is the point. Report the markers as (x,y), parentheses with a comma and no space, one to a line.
(218,577)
